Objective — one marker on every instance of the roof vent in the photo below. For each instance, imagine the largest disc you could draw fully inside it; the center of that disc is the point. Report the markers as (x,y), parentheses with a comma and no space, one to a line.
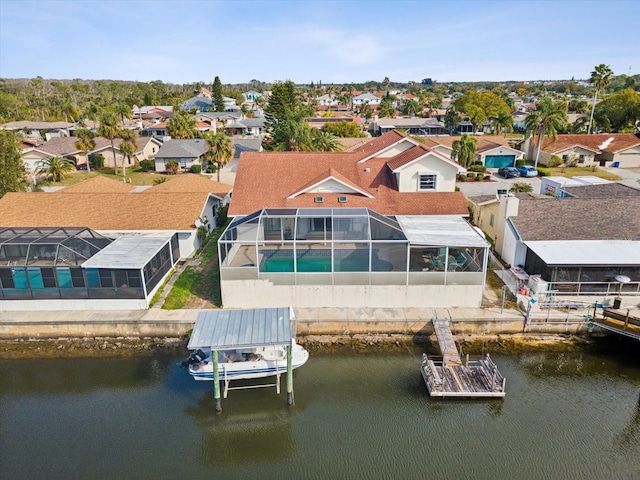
(342,199)
(319,199)
(367,169)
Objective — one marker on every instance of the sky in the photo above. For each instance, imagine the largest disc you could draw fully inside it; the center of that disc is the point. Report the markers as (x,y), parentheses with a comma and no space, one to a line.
(321,40)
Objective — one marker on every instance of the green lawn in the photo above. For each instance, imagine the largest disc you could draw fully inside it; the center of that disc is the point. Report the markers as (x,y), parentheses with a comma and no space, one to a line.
(135,177)
(573,171)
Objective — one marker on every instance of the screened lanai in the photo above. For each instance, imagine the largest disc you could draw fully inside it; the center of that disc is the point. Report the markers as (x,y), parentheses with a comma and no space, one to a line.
(350,246)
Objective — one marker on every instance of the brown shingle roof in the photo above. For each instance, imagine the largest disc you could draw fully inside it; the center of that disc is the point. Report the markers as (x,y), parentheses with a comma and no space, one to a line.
(189,182)
(604,190)
(99,184)
(103,211)
(594,142)
(485,142)
(579,219)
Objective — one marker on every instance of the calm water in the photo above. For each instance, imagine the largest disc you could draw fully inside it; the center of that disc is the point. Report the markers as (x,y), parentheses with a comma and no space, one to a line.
(565,416)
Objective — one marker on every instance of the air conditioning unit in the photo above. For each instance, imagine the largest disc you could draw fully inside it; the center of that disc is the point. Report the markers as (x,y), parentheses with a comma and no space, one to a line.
(537,285)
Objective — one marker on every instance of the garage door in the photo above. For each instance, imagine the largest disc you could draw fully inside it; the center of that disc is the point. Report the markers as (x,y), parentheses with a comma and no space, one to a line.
(499,161)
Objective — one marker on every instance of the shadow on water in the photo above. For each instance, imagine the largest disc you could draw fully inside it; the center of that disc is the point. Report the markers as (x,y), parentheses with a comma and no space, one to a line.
(629,438)
(254,426)
(64,376)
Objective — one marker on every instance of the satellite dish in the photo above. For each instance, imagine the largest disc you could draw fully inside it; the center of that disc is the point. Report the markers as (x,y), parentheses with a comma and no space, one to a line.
(622,279)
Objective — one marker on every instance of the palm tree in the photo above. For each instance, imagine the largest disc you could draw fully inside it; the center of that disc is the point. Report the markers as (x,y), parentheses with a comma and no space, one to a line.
(110,130)
(182,126)
(219,149)
(411,107)
(124,111)
(464,150)
(325,142)
(127,147)
(86,143)
(600,77)
(55,168)
(548,118)
(521,187)
(501,121)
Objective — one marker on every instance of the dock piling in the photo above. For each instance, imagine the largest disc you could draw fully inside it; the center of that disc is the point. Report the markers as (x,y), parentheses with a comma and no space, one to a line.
(289,377)
(216,381)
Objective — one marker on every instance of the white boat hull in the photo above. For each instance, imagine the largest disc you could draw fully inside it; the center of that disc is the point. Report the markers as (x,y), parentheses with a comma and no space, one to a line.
(261,365)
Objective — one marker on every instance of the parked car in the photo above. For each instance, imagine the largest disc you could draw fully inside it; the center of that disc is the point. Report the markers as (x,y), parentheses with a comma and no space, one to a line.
(527,171)
(509,172)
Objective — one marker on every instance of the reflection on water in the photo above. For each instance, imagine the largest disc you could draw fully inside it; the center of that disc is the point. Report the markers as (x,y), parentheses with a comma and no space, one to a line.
(566,415)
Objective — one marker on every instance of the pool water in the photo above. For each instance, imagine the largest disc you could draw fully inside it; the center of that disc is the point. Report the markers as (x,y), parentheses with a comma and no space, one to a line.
(323,264)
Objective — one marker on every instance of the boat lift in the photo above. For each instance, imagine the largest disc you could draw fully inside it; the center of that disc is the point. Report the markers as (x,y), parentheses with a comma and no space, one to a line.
(221,330)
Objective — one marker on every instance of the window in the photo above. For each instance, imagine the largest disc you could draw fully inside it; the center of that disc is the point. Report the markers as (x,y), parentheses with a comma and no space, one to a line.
(427,181)
(319,199)
(491,218)
(581,159)
(565,157)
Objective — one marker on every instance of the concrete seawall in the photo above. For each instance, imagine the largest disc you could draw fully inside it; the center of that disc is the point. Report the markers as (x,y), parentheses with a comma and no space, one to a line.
(318,321)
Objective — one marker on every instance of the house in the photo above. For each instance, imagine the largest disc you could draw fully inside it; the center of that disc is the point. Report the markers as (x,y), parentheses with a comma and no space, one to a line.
(365,98)
(327,100)
(319,122)
(569,243)
(100,244)
(492,150)
(411,125)
(379,225)
(245,126)
(603,149)
(186,152)
(65,147)
(251,96)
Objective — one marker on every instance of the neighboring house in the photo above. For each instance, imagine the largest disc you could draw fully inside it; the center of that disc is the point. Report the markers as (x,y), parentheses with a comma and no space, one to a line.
(100,244)
(185,152)
(366,98)
(412,125)
(251,96)
(571,243)
(603,149)
(245,126)
(319,122)
(65,147)
(379,225)
(217,117)
(327,100)
(241,145)
(492,150)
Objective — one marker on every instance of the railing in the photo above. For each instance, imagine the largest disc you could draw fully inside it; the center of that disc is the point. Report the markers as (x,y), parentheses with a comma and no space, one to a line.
(592,288)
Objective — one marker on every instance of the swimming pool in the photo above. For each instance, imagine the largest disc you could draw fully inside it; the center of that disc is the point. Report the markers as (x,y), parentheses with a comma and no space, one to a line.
(323,264)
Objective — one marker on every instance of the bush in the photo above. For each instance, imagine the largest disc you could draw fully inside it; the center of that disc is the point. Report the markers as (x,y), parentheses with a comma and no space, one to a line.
(211,168)
(544,172)
(487,178)
(196,168)
(521,162)
(477,162)
(172,167)
(160,180)
(479,176)
(471,175)
(554,161)
(147,165)
(221,215)
(96,161)
(478,168)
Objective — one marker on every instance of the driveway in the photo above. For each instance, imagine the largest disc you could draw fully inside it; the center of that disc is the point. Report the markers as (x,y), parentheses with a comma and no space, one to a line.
(472,189)
(630,176)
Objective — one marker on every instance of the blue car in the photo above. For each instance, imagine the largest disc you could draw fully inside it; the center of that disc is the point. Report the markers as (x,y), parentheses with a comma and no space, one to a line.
(527,171)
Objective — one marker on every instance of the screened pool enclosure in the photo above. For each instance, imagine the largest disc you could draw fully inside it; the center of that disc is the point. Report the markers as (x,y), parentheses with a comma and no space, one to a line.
(351,246)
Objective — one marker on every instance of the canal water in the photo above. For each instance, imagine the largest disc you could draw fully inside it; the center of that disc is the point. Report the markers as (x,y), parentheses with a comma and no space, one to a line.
(572,415)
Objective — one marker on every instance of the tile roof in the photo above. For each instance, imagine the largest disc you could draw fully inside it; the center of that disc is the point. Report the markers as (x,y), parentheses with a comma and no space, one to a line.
(103,211)
(408,156)
(604,190)
(607,142)
(267,179)
(485,142)
(191,183)
(376,144)
(578,219)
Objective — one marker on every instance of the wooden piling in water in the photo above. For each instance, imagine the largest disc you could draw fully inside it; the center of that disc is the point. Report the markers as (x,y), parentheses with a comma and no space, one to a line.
(289,376)
(216,381)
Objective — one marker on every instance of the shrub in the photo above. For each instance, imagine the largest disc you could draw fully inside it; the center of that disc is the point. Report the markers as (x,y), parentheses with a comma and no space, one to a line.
(147,165)
(211,168)
(487,178)
(96,161)
(196,168)
(477,162)
(554,161)
(160,180)
(471,175)
(479,176)
(172,167)
(221,215)
(478,168)
(461,178)
(521,162)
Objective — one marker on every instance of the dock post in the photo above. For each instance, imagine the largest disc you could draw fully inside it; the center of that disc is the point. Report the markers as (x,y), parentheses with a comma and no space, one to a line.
(216,381)
(289,376)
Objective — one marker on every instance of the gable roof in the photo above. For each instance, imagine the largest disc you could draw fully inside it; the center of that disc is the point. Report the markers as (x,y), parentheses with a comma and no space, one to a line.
(334,175)
(578,219)
(415,153)
(98,184)
(484,141)
(191,183)
(605,142)
(190,148)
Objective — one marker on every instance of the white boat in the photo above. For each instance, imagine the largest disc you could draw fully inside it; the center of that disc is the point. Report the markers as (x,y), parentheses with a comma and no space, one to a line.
(245,364)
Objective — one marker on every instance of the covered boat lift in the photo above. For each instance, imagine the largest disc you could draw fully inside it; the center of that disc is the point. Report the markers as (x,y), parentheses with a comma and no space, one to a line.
(237,329)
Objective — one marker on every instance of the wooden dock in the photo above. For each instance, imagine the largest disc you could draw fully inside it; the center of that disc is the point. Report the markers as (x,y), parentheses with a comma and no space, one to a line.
(451,377)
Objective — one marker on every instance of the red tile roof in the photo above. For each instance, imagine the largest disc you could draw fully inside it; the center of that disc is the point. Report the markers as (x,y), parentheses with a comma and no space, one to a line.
(607,142)
(268,179)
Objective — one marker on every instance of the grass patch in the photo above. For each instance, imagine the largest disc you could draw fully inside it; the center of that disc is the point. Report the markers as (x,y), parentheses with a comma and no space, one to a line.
(573,171)
(199,287)
(495,283)
(136,177)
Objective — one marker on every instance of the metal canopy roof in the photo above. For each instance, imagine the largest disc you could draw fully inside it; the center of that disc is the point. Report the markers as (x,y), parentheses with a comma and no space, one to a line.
(131,252)
(587,252)
(448,230)
(231,329)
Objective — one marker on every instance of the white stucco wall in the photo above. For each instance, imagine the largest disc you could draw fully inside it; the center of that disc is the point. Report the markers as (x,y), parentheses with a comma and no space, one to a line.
(263,294)
(409,175)
(396,149)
